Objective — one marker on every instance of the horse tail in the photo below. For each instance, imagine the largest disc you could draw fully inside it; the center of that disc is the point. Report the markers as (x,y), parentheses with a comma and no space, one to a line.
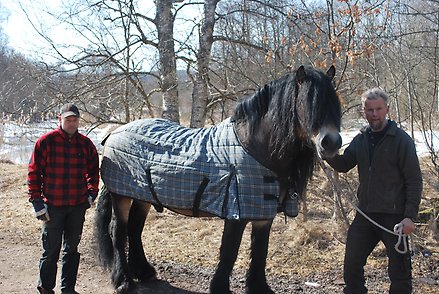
(103,216)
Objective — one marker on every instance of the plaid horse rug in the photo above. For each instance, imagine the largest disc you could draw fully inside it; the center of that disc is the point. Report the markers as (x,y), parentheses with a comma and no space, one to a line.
(203,170)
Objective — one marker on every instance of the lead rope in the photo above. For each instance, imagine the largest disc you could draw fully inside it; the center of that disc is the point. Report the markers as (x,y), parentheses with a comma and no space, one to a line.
(397,231)
(401,237)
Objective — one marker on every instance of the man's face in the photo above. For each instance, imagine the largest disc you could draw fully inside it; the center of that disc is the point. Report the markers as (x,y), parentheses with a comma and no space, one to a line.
(375,111)
(70,124)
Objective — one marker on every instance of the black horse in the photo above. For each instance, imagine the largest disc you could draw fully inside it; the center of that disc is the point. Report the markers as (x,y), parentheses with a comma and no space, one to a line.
(282,128)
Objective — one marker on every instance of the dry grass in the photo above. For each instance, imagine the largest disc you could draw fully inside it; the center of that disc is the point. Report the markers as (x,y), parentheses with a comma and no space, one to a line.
(299,250)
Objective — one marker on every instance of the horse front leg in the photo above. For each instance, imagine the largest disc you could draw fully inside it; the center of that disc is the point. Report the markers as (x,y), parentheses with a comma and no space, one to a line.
(120,276)
(256,282)
(231,240)
(139,266)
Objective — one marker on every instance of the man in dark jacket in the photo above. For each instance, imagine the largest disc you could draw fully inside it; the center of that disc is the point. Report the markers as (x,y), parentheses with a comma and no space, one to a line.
(389,192)
(63,178)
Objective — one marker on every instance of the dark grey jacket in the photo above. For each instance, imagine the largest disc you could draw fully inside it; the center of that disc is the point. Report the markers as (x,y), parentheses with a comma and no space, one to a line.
(392,181)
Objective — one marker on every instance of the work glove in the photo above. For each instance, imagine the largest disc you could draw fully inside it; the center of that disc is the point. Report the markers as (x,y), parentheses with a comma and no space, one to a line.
(40,208)
(91,198)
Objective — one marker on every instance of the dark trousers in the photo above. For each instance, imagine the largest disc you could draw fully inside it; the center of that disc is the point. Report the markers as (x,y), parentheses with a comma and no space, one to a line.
(64,228)
(362,238)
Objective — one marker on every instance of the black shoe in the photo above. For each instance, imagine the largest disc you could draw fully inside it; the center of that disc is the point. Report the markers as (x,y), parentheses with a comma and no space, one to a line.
(45,291)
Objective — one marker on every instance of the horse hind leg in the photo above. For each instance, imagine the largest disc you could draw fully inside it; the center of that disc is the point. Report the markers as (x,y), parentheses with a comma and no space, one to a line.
(138,265)
(256,282)
(231,240)
(120,277)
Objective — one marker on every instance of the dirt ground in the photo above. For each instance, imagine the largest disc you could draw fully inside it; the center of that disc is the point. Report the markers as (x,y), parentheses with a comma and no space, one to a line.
(304,257)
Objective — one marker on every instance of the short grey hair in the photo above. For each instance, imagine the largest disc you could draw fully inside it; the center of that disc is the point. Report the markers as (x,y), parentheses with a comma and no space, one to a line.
(374,93)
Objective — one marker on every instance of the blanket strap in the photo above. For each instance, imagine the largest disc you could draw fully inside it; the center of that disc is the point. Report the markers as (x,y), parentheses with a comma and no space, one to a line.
(288,199)
(232,174)
(158,206)
(198,194)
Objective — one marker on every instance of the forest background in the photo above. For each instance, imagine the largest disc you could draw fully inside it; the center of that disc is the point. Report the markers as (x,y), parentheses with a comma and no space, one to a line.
(124,60)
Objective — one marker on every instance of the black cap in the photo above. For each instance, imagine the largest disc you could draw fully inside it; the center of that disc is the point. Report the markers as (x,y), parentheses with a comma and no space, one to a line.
(69,109)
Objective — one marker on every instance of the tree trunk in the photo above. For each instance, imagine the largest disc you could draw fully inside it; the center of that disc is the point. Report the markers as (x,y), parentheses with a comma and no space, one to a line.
(200,94)
(164,22)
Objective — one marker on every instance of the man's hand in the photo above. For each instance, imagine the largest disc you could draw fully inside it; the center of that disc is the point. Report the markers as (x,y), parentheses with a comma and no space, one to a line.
(40,209)
(408,226)
(91,199)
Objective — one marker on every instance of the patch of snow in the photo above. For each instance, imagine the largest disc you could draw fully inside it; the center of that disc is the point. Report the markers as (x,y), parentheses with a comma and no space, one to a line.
(425,142)
(17,140)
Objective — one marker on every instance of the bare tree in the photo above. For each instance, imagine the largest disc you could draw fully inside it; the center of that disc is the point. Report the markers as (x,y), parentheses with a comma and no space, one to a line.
(412,60)
(200,94)
(164,22)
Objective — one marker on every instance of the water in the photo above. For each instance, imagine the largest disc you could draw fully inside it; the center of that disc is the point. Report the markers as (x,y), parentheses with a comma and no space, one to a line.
(17,140)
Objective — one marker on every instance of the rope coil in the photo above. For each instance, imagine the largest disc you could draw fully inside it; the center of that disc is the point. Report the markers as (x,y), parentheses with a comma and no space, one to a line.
(397,231)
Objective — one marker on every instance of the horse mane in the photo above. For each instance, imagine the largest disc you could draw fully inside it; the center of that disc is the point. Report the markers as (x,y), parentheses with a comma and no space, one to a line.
(276,99)
(270,100)
(253,108)
(279,100)
(302,168)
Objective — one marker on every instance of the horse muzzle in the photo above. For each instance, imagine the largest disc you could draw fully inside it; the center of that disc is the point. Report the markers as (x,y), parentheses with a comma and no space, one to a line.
(328,142)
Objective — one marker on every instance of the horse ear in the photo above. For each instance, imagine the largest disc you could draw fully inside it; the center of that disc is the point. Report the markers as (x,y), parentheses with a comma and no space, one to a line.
(331,72)
(300,74)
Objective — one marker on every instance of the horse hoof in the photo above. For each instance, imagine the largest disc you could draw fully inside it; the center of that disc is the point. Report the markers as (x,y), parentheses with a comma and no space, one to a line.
(125,288)
(221,292)
(148,278)
(216,288)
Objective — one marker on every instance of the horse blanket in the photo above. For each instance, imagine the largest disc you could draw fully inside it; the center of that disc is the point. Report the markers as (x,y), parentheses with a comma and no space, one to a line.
(205,169)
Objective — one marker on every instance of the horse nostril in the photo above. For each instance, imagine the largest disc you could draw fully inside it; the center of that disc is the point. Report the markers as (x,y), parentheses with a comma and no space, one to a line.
(326,142)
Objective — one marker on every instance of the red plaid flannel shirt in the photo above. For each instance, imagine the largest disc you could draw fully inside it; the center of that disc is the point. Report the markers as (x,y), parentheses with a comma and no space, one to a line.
(63,170)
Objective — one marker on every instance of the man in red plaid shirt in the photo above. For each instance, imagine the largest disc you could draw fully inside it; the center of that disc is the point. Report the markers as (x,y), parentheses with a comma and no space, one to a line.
(63,178)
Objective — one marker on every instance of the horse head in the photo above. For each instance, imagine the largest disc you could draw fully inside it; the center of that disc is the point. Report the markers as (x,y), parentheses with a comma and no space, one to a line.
(317,110)
(287,122)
